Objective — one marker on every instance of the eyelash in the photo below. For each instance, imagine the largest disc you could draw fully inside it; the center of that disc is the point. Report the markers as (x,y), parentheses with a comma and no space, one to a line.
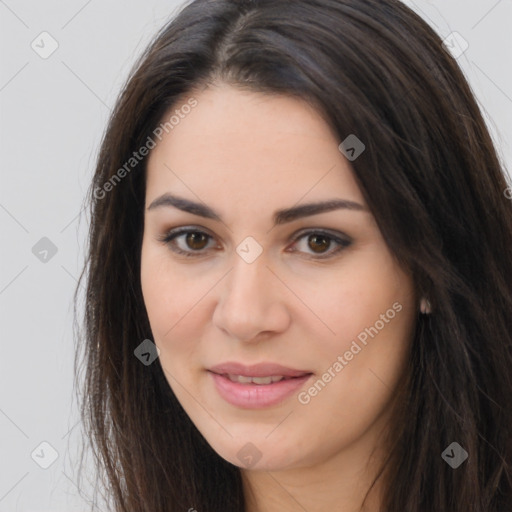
(169,239)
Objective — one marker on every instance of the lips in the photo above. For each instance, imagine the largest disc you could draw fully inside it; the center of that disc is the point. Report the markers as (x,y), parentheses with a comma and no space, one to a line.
(242,379)
(257,396)
(258,386)
(260,370)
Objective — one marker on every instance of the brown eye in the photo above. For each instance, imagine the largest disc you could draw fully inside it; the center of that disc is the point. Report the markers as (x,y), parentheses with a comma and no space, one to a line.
(196,240)
(187,242)
(319,243)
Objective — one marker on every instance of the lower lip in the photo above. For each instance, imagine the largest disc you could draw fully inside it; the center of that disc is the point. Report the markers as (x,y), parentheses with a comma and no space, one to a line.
(256,396)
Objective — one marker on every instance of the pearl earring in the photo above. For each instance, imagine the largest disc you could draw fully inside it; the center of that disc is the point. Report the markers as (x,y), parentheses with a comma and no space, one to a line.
(425,306)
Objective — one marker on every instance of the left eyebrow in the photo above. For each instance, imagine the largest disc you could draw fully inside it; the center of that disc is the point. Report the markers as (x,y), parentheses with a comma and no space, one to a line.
(280,216)
(305,210)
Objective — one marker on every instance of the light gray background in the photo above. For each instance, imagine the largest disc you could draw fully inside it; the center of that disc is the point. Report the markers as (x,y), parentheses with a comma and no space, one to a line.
(53,114)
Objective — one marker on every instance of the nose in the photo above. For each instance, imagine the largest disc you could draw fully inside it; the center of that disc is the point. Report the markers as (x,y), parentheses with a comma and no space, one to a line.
(251,302)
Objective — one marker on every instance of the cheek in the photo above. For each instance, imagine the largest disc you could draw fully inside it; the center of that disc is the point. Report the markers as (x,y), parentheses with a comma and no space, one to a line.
(375,325)
(370,294)
(174,324)
(169,298)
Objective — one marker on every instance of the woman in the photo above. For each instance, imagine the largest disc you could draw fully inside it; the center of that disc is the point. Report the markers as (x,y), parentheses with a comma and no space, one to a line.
(299,280)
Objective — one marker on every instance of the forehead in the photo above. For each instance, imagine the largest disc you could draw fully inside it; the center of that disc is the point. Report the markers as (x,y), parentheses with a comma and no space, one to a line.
(249,146)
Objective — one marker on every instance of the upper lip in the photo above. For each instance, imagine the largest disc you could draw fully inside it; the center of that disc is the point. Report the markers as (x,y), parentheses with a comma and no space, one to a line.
(257,370)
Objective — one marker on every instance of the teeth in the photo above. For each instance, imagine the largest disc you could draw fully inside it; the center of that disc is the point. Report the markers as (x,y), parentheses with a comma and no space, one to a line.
(242,379)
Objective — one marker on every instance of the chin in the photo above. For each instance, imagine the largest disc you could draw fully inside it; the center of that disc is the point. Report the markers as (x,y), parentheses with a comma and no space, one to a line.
(263,455)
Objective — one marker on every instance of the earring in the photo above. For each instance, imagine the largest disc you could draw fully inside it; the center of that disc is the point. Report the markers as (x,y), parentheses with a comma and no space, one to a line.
(425,306)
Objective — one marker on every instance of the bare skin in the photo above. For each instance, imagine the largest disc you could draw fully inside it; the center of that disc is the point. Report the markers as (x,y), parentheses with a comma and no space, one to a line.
(301,303)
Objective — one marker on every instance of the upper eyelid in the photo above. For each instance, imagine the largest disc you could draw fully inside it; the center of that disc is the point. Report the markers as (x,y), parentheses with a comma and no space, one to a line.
(339,238)
(176,232)
(298,233)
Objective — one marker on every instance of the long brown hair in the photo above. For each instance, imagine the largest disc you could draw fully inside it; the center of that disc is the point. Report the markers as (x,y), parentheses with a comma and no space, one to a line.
(434,183)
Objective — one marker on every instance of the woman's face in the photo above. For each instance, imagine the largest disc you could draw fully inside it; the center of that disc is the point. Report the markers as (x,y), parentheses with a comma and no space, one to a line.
(270,277)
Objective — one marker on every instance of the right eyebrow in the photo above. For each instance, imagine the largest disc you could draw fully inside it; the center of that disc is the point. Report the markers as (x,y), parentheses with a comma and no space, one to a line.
(280,216)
